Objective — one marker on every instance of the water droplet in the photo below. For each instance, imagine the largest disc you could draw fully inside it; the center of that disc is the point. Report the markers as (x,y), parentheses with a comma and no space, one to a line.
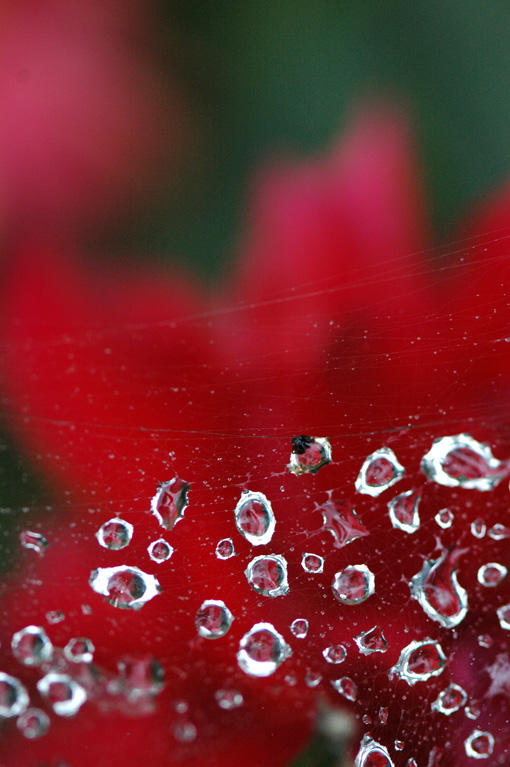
(371,641)
(450,700)
(399,745)
(255,518)
(419,660)
(64,693)
(438,591)
(33,723)
(124,587)
(340,519)
(491,574)
(31,646)
(485,640)
(345,687)
(309,454)
(478,528)
(504,617)
(473,710)
(403,511)
(267,575)
(312,678)
(115,534)
(170,502)
(184,732)
(228,699)
(213,619)
(55,616)
(411,763)
(461,461)
(498,532)
(353,584)
(312,563)
(479,745)
(79,650)
(299,628)
(444,518)
(383,715)
(13,696)
(335,653)
(160,551)
(372,754)
(262,650)
(34,541)
(225,548)
(379,472)
(142,676)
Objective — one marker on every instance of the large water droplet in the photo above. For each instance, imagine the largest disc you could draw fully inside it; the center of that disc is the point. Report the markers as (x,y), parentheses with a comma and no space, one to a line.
(267,575)
(63,692)
(379,472)
(312,563)
(115,534)
(444,518)
(491,574)
(31,646)
(461,461)
(371,641)
(13,696)
(504,617)
(450,700)
(340,519)
(33,723)
(335,653)
(228,699)
(403,511)
(479,745)
(255,518)
(225,548)
(213,619)
(170,502)
(309,454)
(372,754)
(160,551)
(124,587)
(346,687)
(419,660)
(79,650)
(299,628)
(353,584)
(34,541)
(438,591)
(262,650)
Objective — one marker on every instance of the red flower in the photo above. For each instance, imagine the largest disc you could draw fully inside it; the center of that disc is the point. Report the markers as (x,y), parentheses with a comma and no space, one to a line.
(165,416)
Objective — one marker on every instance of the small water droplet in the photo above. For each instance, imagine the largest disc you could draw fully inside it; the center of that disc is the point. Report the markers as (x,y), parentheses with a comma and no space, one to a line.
(299,628)
(33,723)
(504,617)
(170,502)
(353,584)
(255,518)
(411,763)
(491,574)
(184,732)
(438,591)
(478,528)
(312,563)
(267,575)
(335,653)
(371,641)
(403,511)
(461,461)
(225,548)
(14,698)
(64,693)
(444,518)
(31,646)
(160,551)
(213,619)
(485,640)
(450,700)
(115,534)
(346,687)
(55,616)
(372,754)
(473,710)
(309,454)
(380,471)
(479,745)
(312,678)
(340,519)
(34,541)
(228,699)
(399,745)
(142,677)
(124,587)
(419,660)
(79,650)
(262,650)
(498,532)
(383,715)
